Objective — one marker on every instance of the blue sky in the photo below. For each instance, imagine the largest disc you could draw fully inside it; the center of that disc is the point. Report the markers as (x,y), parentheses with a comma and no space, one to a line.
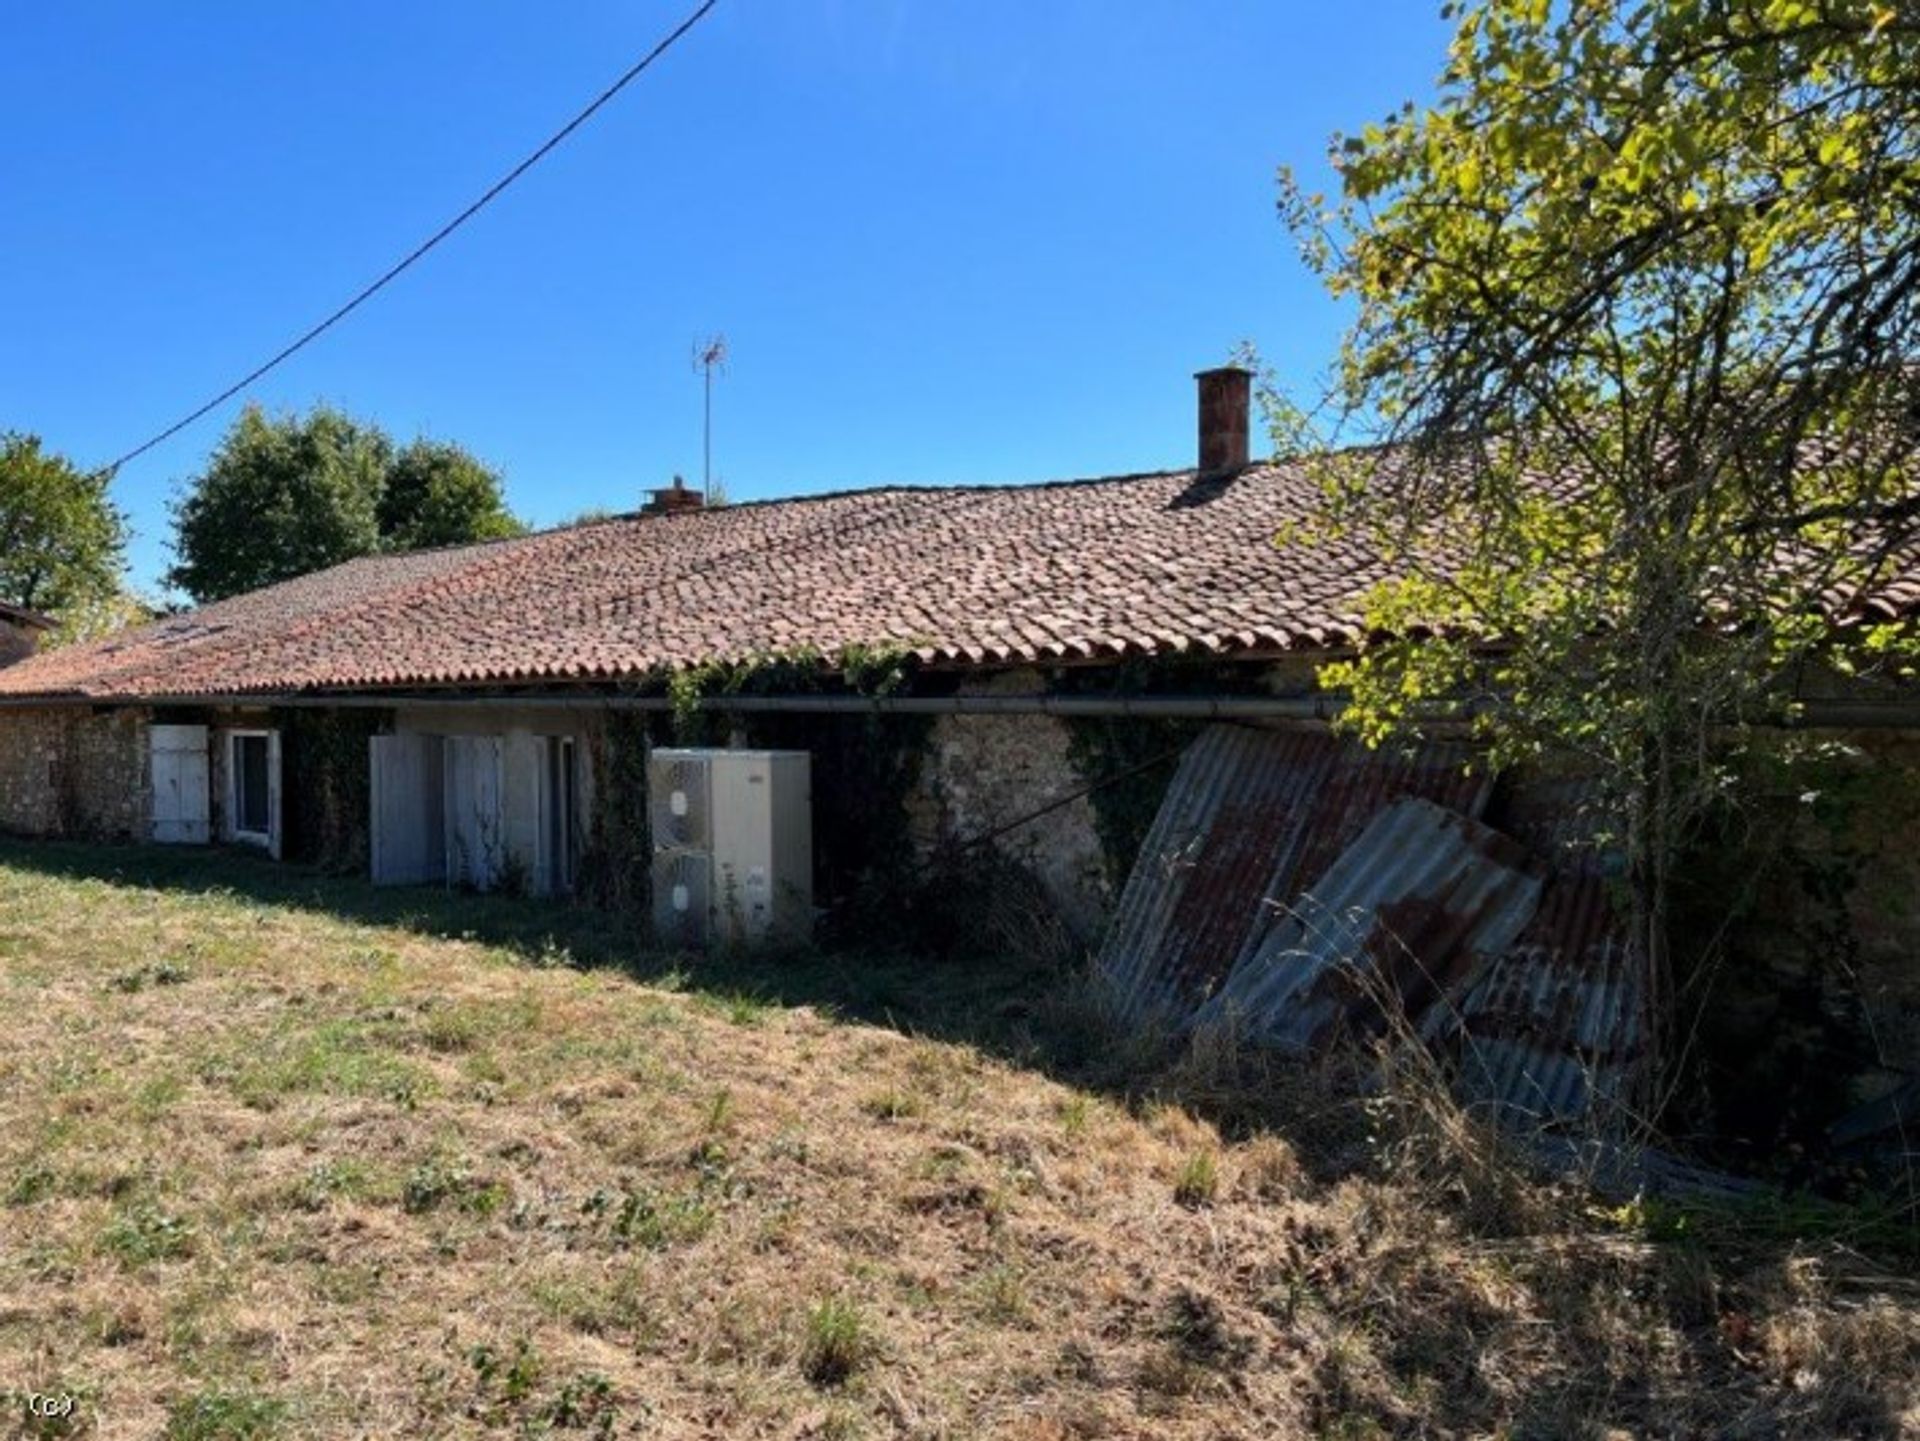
(947,242)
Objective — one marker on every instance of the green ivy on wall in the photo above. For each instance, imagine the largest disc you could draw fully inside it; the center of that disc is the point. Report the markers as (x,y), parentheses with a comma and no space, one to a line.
(326,787)
(616,861)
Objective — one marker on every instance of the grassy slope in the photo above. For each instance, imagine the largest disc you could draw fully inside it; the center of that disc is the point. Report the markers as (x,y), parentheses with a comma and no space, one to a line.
(285,1156)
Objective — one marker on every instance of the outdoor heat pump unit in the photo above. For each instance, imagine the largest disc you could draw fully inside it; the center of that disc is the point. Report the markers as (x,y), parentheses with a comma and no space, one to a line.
(732,846)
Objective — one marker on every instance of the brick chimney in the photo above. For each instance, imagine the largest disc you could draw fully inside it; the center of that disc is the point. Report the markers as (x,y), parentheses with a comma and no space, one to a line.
(672,499)
(1225,395)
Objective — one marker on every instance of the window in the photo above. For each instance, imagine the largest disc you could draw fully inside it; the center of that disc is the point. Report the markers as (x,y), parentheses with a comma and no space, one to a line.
(249,792)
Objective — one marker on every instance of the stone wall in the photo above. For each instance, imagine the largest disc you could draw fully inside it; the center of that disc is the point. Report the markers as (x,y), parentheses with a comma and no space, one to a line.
(983,772)
(70,771)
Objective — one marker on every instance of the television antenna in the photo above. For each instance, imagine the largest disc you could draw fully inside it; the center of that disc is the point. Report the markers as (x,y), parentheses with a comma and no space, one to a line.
(708,356)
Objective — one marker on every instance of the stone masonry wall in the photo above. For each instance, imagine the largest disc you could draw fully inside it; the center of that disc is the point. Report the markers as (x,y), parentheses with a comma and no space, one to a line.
(985,771)
(67,771)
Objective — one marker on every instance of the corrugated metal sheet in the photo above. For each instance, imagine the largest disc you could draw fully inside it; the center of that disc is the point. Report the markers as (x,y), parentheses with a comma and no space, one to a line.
(1558,1029)
(1554,1027)
(1416,908)
(1249,812)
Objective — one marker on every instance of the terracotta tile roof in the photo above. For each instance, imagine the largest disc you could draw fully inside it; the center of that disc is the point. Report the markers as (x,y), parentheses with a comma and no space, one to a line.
(1072,570)
(1076,570)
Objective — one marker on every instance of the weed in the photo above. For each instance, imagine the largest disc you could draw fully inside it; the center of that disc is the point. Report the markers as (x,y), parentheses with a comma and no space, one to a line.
(222,1415)
(435,1183)
(156,973)
(1002,1293)
(836,1343)
(141,1234)
(1199,1180)
(584,1403)
(33,1182)
(50,1411)
(508,1378)
(1073,1115)
(893,1104)
(326,1179)
(646,1219)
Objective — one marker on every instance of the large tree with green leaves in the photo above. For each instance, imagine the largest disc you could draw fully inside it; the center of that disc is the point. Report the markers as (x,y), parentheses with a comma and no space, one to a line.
(61,539)
(438,494)
(1637,302)
(285,495)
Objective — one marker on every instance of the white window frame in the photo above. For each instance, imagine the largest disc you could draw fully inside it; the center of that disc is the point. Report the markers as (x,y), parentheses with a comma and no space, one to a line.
(263,839)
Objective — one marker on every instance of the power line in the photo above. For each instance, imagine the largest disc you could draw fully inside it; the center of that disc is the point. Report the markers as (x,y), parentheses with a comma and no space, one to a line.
(420,250)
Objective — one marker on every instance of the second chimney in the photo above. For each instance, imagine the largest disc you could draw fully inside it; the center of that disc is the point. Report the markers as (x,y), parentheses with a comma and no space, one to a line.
(1225,395)
(673,499)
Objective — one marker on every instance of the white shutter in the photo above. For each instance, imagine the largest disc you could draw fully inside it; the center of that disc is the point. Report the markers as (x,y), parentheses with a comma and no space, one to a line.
(476,843)
(182,804)
(408,839)
(273,795)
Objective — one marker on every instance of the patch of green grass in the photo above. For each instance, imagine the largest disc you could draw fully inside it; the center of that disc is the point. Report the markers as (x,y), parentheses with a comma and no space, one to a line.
(34,1181)
(649,1220)
(1199,1180)
(893,1104)
(835,1343)
(337,1058)
(1001,1292)
(436,1183)
(155,973)
(343,1176)
(1073,1114)
(223,1415)
(140,1234)
(739,1008)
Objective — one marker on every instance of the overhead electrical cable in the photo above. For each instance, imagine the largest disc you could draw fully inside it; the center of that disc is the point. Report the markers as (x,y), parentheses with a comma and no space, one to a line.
(394,272)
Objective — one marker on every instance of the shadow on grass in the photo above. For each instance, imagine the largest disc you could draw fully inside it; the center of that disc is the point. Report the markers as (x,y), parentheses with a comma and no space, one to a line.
(987,1002)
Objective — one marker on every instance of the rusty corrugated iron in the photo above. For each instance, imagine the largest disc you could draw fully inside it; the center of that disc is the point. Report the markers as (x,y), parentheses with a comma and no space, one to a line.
(1411,914)
(1558,1028)
(1554,1028)
(1248,813)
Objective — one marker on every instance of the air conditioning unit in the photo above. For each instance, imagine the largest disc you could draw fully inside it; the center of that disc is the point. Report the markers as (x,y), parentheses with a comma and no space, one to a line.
(732,846)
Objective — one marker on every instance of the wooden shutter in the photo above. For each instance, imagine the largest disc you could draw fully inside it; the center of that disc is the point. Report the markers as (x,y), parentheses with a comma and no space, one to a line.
(408,839)
(476,843)
(182,803)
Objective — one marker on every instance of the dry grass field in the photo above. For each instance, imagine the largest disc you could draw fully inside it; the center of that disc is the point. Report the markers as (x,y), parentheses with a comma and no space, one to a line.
(283,1156)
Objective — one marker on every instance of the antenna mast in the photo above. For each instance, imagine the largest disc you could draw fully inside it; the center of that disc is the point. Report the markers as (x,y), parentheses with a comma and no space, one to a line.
(708,356)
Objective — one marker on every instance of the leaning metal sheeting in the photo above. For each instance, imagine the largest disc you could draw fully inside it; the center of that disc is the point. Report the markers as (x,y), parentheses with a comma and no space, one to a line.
(1412,914)
(1248,814)
(1558,1029)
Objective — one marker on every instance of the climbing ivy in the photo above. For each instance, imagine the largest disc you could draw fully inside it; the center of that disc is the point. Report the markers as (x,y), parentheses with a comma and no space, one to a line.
(326,789)
(616,861)
(1145,752)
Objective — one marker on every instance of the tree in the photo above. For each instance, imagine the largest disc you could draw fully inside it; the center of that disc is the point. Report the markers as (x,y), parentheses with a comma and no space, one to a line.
(438,494)
(62,541)
(286,495)
(1636,303)
(281,497)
